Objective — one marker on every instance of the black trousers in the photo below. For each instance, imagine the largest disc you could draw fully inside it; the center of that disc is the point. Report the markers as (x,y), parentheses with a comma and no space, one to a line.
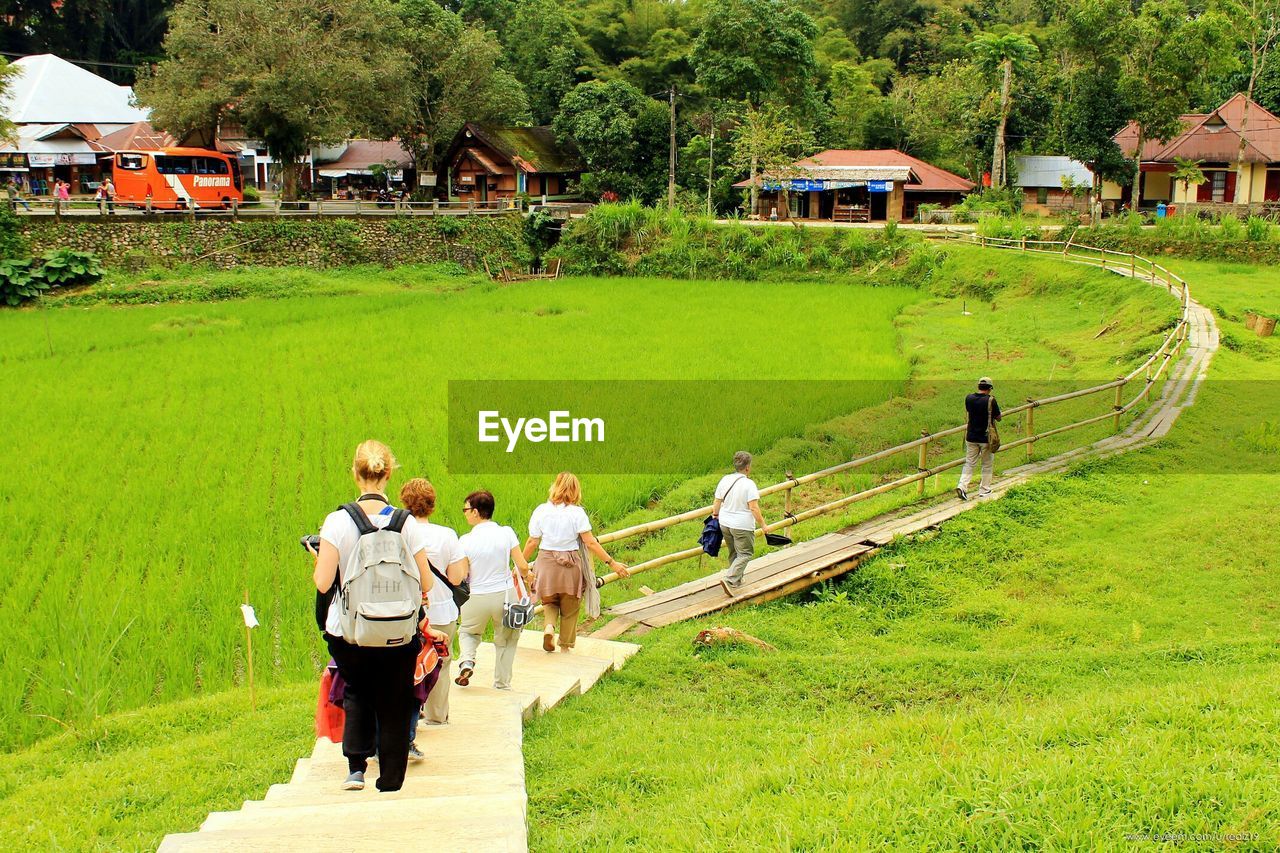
(379,704)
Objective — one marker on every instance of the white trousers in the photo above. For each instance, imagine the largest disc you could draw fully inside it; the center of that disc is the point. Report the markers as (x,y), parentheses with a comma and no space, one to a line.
(973,451)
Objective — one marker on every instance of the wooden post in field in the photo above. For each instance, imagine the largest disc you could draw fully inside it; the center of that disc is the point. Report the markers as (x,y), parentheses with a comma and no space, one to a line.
(922,462)
(786,503)
(1115,419)
(1133,265)
(1030,422)
(248,639)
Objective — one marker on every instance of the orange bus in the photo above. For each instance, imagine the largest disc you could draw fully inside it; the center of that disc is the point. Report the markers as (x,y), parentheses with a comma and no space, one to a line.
(178,179)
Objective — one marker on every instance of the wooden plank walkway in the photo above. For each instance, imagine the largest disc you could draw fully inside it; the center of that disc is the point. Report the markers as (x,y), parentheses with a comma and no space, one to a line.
(806,564)
(467,795)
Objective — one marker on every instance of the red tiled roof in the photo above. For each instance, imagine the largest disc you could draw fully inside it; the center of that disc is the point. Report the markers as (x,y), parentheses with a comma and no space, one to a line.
(931,178)
(139,136)
(1213,137)
(363,153)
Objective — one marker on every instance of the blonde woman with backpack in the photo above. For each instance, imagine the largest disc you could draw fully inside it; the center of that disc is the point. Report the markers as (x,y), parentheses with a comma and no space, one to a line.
(560,532)
(372,560)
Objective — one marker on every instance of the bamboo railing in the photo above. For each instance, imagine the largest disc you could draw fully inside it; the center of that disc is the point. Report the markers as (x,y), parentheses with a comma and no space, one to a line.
(1144,375)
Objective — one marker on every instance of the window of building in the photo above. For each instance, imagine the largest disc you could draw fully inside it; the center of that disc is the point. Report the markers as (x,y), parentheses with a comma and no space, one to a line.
(1219,180)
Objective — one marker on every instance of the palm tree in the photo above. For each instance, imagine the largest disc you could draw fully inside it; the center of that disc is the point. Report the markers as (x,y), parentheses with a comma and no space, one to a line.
(1004,54)
(1189,172)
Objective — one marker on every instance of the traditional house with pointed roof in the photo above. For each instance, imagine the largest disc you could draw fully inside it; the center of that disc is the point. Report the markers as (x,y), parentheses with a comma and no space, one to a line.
(857,186)
(1213,140)
(486,163)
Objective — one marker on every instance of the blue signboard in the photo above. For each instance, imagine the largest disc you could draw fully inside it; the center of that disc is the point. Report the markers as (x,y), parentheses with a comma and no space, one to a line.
(879,186)
(805,185)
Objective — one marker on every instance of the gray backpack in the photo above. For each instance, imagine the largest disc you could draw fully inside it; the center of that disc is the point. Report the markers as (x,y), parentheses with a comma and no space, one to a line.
(380,593)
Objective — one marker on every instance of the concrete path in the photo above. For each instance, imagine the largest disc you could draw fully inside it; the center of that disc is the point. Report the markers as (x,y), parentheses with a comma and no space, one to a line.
(467,795)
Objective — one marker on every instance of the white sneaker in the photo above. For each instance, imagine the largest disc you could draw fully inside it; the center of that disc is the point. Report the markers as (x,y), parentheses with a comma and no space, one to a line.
(984,493)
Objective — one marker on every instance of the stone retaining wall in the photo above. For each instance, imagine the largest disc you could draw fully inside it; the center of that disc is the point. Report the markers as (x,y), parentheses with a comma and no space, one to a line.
(135,243)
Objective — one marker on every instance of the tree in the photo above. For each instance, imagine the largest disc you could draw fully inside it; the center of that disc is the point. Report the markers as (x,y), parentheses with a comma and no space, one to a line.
(8,130)
(1005,55)
(295,73)
(1188,172)
(758,51)
(853,94)
(767,141)
(622,135)
(1171,57)
(456,75)
(1260,29)
(547,55)
(1089,47)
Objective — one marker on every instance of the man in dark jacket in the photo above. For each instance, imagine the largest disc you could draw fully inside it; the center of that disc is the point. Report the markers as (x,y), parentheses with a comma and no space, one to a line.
(976,446)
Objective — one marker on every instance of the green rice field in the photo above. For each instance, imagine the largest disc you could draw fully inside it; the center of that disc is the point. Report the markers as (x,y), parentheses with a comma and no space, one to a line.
(173,454)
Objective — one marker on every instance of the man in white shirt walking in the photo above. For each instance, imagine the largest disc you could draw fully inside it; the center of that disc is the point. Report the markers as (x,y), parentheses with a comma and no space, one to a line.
(737,506)
(489,549)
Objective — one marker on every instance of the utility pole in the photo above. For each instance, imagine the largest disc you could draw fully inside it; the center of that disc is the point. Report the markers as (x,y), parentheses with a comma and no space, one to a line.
(671,154)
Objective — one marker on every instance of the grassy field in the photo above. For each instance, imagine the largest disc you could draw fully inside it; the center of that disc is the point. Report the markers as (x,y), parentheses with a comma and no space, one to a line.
(1090,663)
(182,449)
(237,381)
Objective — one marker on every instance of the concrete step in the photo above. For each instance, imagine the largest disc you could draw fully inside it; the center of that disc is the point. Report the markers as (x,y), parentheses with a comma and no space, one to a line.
(445,780)
(619,653)
(424,812)
(489,836)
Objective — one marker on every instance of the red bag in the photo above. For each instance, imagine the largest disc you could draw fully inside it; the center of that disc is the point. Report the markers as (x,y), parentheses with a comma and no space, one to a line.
(330,718)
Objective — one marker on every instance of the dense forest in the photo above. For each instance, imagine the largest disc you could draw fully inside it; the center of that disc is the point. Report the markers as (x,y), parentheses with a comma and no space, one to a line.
(754,82)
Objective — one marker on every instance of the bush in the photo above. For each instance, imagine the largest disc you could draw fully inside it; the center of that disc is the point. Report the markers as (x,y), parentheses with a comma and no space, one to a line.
(12,243)
(26,278)
(631,239)
(251,194)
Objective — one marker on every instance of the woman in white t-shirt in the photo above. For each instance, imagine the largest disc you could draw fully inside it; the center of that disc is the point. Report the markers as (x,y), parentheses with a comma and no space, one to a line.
(445,562)
(489,548)
(558,529)
(379,691)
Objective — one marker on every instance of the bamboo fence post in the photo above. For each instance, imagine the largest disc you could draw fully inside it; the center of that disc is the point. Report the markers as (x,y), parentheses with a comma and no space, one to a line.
(1133,265)
(786,499)
(1115,419)
(319,207)
(922,462)
(235,210)
(1030,422)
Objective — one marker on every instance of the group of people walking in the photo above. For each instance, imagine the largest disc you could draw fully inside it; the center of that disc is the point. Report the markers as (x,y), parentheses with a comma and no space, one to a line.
(380,570)
(486,570)
(104,195)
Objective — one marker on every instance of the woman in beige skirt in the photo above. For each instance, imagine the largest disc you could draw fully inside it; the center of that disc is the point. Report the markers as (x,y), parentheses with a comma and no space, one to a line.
(560,532)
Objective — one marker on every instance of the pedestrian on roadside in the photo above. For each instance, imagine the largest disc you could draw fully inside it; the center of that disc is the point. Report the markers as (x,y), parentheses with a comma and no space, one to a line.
(449,568)
(14,192)
(490,549)
(62,195)
(737,508)
(109,192)
(983,410)
(378,699)
(100,196)
(560,532)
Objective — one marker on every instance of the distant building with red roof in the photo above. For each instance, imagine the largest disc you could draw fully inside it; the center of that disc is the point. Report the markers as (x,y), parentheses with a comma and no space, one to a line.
(1213,140)
(843,185)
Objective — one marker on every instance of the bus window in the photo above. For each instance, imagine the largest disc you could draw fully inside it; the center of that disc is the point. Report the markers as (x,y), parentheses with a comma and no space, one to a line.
(171,165)
(235,174)
(210,166)
(134,162)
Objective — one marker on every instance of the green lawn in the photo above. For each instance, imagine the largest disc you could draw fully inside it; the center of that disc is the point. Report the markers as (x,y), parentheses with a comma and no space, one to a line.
(181,450)
(1092,658)
(237,381)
